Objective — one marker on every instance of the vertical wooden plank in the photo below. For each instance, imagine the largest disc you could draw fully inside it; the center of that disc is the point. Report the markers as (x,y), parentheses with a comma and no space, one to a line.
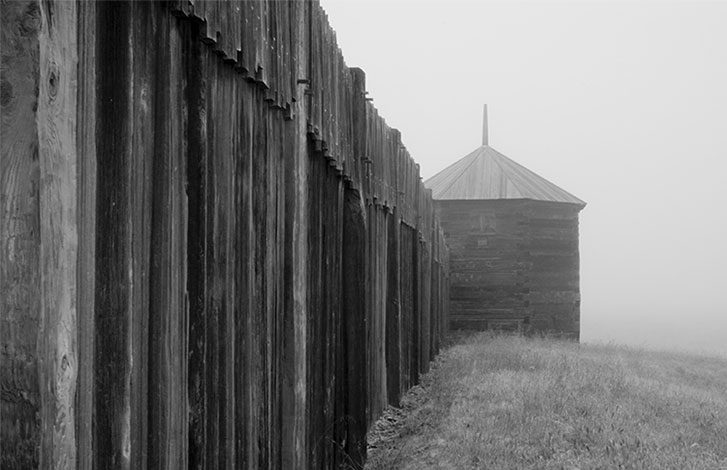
(57,153)
(86,235)
(393,314)
(358,129)
(230,325)
(271,53)
(237,279)
(260,40)
(20,310)
(434,299)
(207,11)
(220,265)
(415,325)
(287,43)
(249,40)
(383,239)
(259,379)
(125,138)
(355,305)
(295,348)
(425,304)
(332,292)
(371,308)
(214,285)
(112,367)
(408,278)
(254,376)
(327,313)
(295,312)
(293,351)
(269,268)
(314,70)
(275,214)
(243,278)
(377,314)
(313,286)
(167,315)
(340,457)
(145,21)
(196,254)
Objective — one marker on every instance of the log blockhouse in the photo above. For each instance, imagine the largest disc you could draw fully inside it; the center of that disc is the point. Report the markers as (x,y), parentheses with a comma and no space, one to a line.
(215,254)
(513,240)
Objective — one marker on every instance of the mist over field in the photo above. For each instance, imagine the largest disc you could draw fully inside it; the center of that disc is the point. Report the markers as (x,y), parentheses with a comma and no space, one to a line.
(623,104)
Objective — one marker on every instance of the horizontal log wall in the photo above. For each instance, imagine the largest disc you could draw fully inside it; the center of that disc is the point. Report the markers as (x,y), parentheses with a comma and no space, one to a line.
(514,265)
(258,270)
(490,262)
(554,298)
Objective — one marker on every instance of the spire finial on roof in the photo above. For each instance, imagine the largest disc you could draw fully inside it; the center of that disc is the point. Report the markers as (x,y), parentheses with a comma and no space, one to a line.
(484,126)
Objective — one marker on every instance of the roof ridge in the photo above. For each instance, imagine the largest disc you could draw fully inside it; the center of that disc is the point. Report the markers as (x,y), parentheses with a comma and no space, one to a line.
(476,153)
(444,170)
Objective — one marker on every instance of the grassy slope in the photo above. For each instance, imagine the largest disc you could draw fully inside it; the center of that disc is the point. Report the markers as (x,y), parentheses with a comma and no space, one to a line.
(515,403)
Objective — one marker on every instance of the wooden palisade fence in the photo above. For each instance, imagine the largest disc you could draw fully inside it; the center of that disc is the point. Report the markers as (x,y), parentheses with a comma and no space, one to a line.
(215,252)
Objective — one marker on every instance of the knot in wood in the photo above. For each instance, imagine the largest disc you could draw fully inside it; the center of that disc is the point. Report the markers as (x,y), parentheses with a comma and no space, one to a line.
(53,78)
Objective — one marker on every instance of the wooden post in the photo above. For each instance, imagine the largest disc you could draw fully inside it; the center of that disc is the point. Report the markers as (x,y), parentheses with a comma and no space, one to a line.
(294,436)
(86,136)
(58,155)
(124,143)
(393,313)
(19,236)
(196,135)
(167,364)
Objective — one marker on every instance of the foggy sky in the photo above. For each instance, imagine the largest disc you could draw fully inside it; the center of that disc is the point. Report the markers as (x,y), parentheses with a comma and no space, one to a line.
(623,104)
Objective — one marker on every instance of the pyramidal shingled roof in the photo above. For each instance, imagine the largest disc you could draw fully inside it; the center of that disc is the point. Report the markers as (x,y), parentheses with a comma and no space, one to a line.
(488,174)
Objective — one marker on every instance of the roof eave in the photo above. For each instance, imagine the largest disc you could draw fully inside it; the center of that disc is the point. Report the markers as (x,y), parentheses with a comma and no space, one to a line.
(581,205)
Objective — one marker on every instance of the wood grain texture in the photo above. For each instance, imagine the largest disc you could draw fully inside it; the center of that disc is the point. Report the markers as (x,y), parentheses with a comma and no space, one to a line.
(87,189)
(196,212)
(57,155)
(294,436)
(167,277)
(20,313)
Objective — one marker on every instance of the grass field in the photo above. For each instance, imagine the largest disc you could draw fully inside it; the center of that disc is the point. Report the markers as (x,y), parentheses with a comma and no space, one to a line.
(506,402)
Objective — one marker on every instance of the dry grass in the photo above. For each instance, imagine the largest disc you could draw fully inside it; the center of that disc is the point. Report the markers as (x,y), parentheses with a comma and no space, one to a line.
(504,402)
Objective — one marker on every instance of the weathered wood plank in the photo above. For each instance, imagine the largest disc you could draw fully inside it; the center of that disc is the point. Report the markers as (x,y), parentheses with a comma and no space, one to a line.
(57,153)
(393,313)
(138,184)
(354,304)
(87,158)
(112,364)
(20,239)
(294,438)
(196,170)
(168,309)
